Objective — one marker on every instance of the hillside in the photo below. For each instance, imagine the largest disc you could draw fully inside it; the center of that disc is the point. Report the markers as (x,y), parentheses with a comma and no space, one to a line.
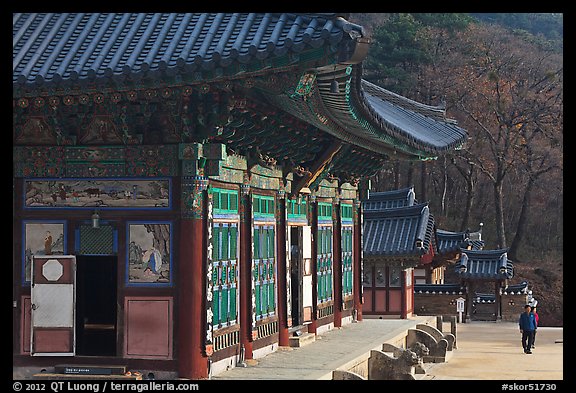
(545,280)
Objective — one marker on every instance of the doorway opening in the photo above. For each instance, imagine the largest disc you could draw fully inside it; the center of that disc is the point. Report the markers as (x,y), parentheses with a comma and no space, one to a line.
(96,310)
(296,274)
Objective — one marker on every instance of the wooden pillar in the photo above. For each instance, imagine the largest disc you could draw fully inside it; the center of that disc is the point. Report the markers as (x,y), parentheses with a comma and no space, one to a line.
(314,262)
(337,263)
(245,271)
(403,305)
(281,284)
(357,259)
(192,350)
(412,289)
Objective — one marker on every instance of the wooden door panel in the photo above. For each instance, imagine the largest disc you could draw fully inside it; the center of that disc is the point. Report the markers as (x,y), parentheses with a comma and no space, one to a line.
(53,305)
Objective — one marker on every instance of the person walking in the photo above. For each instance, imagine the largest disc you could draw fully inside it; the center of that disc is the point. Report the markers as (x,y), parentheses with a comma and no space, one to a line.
(527,322)
(537,318)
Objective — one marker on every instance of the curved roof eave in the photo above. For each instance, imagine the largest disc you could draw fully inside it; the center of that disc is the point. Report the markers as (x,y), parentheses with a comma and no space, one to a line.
(383,117)
(53,51)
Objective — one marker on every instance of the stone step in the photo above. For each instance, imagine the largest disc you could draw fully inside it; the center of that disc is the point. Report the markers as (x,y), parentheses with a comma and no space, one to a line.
(301,340)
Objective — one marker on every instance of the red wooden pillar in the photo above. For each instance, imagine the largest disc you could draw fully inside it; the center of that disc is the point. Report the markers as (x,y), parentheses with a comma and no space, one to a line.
(403,305)
(357,259)
(192,356)
(245,273)
(314,262)
(412,289)
(283,336)
(337,264)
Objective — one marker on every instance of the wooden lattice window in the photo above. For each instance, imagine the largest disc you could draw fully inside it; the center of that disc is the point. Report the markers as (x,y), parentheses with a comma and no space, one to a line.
(346,260)
(346,213)
(264,270)
(224,201)
(324,270)
(296,209)
(224,273)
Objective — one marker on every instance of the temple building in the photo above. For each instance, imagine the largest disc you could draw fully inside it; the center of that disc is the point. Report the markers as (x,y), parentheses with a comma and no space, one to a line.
(187,187)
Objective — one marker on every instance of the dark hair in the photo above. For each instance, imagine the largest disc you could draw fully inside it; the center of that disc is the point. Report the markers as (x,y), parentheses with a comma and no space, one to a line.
(526,306)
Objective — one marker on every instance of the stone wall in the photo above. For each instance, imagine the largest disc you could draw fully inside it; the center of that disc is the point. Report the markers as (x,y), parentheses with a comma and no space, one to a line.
(435,304)
(513,306)
(445,304)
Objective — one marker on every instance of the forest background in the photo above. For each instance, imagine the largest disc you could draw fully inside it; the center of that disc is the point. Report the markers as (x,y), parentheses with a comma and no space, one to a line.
(500,76)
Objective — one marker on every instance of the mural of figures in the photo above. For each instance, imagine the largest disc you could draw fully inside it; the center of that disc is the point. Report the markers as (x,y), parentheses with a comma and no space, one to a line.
(101,193)
(149,260)
(41,238)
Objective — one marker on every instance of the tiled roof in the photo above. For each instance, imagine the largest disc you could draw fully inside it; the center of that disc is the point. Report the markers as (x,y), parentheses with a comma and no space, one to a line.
(485,264)
(55,52)
(453,241)
(403,231)
(389,199)
(420,125)
(50,47)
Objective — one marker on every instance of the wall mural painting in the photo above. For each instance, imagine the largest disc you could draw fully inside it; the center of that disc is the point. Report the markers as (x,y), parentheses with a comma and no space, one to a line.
(102,193)
(149,253)
(42,238)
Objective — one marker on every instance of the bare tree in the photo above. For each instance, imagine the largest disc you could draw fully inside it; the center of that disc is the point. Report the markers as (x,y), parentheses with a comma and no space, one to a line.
(509,93)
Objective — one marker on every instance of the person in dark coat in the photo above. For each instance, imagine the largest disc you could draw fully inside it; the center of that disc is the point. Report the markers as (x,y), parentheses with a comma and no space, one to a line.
(527,322)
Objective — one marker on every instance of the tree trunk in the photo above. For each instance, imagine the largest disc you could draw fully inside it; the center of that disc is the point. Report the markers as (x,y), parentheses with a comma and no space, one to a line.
(423,178)
(444,186)
(522,221)
(499,213)
(470,190)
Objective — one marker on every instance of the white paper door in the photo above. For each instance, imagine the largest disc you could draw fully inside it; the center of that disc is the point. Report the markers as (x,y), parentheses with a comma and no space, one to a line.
(53,305)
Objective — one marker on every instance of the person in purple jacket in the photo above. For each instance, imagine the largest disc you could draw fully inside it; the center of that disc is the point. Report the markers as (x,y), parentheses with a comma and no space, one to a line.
(527,323)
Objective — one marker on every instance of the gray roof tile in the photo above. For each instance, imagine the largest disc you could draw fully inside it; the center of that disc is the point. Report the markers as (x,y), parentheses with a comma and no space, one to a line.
(402,231)
(389,199)
(485,264)
(54,47)
(453,241)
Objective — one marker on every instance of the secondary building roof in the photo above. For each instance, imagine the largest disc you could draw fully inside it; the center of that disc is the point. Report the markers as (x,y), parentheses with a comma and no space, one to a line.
(389,199)
(454,241)
(398,232)
(484,265)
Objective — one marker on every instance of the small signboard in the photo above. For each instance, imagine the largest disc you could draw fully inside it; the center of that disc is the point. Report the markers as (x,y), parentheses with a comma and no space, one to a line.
(460,304)
(460,307)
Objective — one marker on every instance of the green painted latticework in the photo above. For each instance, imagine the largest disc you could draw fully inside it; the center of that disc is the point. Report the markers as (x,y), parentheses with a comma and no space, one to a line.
(224,274)
(264,267)
(324,211)
(296,209)
(224,201)
(263,206)
(324,261)
(346,244)
(346,212)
